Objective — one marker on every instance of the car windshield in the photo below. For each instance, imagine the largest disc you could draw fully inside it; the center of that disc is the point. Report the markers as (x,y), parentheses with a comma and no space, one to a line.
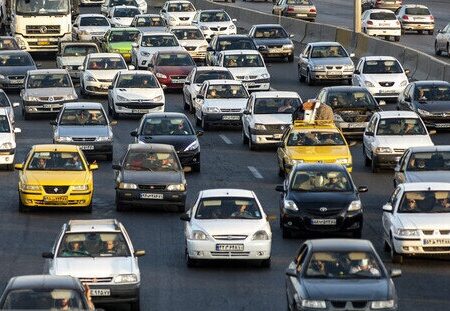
(202,76)
(351,99)
(12,60)
(158,41)
(162,126)
(94,21)
(149,21)
(315,138)
(43,299)
(343,265)
(270,32)
(113,3)
(42,7)
(383,16)
(228,208)
(238,44)
(36,81)
(79,50)
(176,60)
(112,63)
(55,161)
(126,12)
(432,93)
(321,181)
(93,244)
(276,105)
(401,126)
(299,2)
(181,7)
(188,34)
(417,11)
(4,124)
(226,91)
(123,36)
(429,161)
(382,67)
(83,117)
(425,202)
(243,60)
(210,17)
(4,100)
(142,160)
(328,51)
(8,44)
(137,81)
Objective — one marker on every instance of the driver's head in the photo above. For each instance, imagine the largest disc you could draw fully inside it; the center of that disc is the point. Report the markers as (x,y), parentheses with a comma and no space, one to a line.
(110,244)
(364,263)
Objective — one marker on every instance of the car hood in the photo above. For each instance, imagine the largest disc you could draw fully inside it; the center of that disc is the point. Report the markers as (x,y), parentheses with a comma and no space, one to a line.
(227,103)
(103,74)
(230,226)
(83,130)
(139,93)
(435,106)
(88,267)
(155,49)
(247,71)
(55,178)
(177,141)
(425,221)
(124,45)
(7,138)
(71,60)
(281,118)
(182,14)
(174,70)
(331,61)
(428,176)
(323,199)
(316,153)
(15,70)
(56,91)
(152,178)
(397,77)
(404,142)
(216,24)
(122,20)
(274,41)
(93,29)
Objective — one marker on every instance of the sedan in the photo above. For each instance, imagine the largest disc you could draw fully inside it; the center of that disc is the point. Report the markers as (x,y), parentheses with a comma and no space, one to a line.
(9,43)
(274,41)
(88,27)
(119,40)
(149,22)
(415,17)
(178,12)
(340,274)
(442,42)
(227,42)
(14,65)
(214,22)
(192,39)
(172,68)
(227,224)
(122,16)
(302,9)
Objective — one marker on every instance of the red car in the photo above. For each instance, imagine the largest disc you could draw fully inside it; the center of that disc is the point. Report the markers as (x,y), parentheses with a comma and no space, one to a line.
(172,68)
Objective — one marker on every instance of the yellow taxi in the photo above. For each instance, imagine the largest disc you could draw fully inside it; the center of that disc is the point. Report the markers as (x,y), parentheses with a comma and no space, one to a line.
(55,175)
(310,142)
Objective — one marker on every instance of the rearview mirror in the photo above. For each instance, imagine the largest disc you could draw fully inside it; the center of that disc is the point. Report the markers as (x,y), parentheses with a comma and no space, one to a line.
(395,273)
(185,217)
(291,272)
(117,167)
(363,189)
(279,188)
(387,207)
(17,130)
(93,166)
(48,255)
(139,253)
(18,166)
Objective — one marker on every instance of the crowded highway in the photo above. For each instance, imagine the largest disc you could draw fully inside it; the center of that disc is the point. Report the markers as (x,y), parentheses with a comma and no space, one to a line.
(172,157)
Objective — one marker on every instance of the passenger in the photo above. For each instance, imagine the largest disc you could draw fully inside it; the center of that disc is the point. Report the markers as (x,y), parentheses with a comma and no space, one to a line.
(411,206)
(409,129)
(364,266)
(317,268)
(443,203)
(335,182)
(74,163)
(62,304)
(109,247)
(242,212)
(287,106)
(422,96)
(40,164)
(334,102)
(180,129)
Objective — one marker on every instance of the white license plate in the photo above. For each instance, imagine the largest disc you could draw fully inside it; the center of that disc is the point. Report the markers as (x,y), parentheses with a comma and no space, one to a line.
(357,125)
(276,50)
(229,247)
(249,84)
(436,241)
(302,15)
(152,196)
(139,111)
(178,81)
(231,118)
(87,147)
(385,91)
(326,222)
(100,292)
(16,81)
(48,106)
(334,73)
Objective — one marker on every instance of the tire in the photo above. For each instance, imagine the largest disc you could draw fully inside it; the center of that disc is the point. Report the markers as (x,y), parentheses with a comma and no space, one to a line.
(310,81)
(22,208)
(109,156)
(205,125)
(436,50)
(448,50)
(135,306)
(190,263)
(119,205)
(374,166)
(397,38)
(88,209)
(301,78)
(367,161)
(395,257)
(244,138)
(290,58)
(265,263)
(420,32)
(286,233)
(386,246)
(114,114)
(10,167)
(198,122)
(196,168)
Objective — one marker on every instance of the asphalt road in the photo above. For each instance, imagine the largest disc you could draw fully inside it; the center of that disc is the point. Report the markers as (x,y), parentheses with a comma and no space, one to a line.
(167,284)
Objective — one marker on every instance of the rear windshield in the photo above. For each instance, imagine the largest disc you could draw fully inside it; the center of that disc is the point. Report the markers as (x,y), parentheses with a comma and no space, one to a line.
(359,99)
(148,21)
(383,16)
(276,105)
(94,21)
(126,12)
(174,60)
(417,11)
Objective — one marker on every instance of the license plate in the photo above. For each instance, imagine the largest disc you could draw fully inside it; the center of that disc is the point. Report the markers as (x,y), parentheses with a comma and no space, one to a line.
(325,222)
(48,106)
(229,247)
(231,117)
(139,111)
(334,73)
(16,81)
(87,147)
(154,196)
(43,43)
(178,81)
(436,241)
(100,292)
(277,136)
(275,50)
(302,15)
(357,125)
(384,25)
(59,199)
(385,91)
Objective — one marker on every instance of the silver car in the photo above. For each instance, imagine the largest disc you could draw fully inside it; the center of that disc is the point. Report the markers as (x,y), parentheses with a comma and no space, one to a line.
(325,61)
(442,42)
(301,9)
(149,22)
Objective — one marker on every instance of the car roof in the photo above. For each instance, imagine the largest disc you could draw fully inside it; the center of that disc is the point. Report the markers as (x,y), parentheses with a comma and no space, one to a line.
(426,186)
(148,15)
(83,105)
(322,43)
(43,282)
(331,245)
(435,148)
(225,192)
(117,7)
(125,29)
(267,25)
(55,147)
(380,11)
(412,5)
(431,82)
(379,58)
(320,167)
(274,94)
(165,115)
(103,55)
(236,36)
(318,124)
(151,147)
(91,15)
(234,52)
(211,68)
(219,82)
(184,27)
(347,88)
(93,225)
(14,52)
(48,71)
(156,33)
(134,72)
(397,114)
(212,10)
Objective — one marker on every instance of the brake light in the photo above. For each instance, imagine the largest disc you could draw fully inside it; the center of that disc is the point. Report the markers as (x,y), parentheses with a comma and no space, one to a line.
(312,10)
(290,9)
(369,23)
(405,17)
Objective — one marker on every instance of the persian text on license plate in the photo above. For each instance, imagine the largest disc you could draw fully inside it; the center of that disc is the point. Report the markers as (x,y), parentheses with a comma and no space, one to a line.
(87,147)
(154,196)
(58,199)
(326,222)
(231,117)
(436,241)
(229,247)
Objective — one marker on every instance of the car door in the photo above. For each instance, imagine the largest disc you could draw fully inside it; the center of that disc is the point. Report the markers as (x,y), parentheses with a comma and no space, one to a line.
(303,60)
(388,217)
(403,98)
(400,168)
(50,262)
(188,86)
(246,117)
(75,28)
(369,135)
(281,151)
(293,286)
(442,37)
(356,78)
(198,103)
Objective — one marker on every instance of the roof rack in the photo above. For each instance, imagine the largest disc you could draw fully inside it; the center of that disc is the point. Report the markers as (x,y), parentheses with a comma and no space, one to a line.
(93,222)
(301,123)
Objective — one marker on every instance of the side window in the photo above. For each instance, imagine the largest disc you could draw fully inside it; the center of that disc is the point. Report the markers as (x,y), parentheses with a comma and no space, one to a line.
(190,75)
(322,96)
(307,50)
(406,91)
(404,160)
(360,65)
(285,135)
(395,197)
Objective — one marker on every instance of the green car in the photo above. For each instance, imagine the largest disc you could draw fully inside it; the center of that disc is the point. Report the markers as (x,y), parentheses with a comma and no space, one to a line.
(119,40)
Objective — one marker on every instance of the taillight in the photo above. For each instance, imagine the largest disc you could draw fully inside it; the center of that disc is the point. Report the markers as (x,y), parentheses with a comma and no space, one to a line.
(369,23)
(405,17)
(312,10)
(290,9)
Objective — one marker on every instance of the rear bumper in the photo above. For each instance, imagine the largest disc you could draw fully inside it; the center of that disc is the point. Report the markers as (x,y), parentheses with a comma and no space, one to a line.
(119,293)
(133,197)
(417,26)
(394,32)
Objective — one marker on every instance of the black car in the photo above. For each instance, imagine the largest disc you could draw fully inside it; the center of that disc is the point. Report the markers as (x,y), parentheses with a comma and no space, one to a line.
(339,274)
(14,65)
(320,198)
(353,107)
(273,41)
(174,129)
(44,292)
(227,42)
(150,175)
(430,100)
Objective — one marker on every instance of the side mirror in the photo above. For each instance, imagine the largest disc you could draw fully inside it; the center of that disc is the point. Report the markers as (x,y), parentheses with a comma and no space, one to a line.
(395,273)
(163,11)
(291,272)
(291,36)
(93,166)
(262,48)
(134,45)
(352,55)
(246,111)
(187,169)
(368,133)
(199,133)
(139,253)
(15,105)
(407,71)
(163,86)
(363,189)
(234,20)
(440,31)
(387,207)
(150,65)
(356,72)
(17,130)
(407,99)
(432,132)
(382,103)
(81,68)
(397,168)
(110,87)
(187,83)
(38,65)
(117,167)
(185,217)
(352,143)
(18,167)
(199,96)
(131,67)
(194,22)
(48,255)
(209,49)
(54,123)
(279,188)
(134,133)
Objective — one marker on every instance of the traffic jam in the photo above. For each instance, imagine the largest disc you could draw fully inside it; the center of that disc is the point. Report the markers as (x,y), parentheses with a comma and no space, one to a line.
(256,154)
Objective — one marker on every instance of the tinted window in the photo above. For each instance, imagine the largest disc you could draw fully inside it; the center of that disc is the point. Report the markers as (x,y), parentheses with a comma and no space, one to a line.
(149,21)
(249,60)
(301,2)
(275,105)
(79,50)
(270,32)
(238,44)
(226,91)
(417,11)
(106,64)
(155,126)
(429,161)
(4,125)
(383,16)
(8,44)
(94,21)
(15,60)
(359,99)
(382,67)
(141,160)
(93,244)
(209,17)
(136,81)
(425,202)
(212,75)
(228,208)
(315,138)
(432,93)
(4,101)
(56,161)
(126,12)
(188,34)
(155,41)
(401,126)
(48,80)
(43,299)
(123,36)
(83,117)
(122,2)
(174,60)
(321,181)
(328,51)
(181,7)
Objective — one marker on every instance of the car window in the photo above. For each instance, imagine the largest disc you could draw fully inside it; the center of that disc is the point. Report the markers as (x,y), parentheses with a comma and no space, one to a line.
(94,21)
(111,63)
(12,60)
(383,16)
(126,12)
(320,181)
(55,161)
(8,44)
(401,126)
(226,91)
(4,124)
(235,44)
(156,126)
(417,11)
(428,202)
(147,21)
(430,93)
(299,2)
(176,60)
(79,50)
(137,81)
(228,208)
(93,244)
(35,81)
(270,32)
(123,36)
(43,299)
(142,160)
(202,76)
(243,60)
(180,7)
(315,138)
(276,105)
(188,34)
(429,161)
(382,67)
(351,99)
(328,51)
(158,41)
(113,3)
(214,16)
(83,117)
(4,101)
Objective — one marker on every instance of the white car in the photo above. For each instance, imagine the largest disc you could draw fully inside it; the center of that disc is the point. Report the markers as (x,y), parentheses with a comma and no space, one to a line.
(247,66)
(415,17)
(416,220)
(267,116)
(383,76)
(98,71)
(109,4)
(6,104)
(389,133)
(149,22)
(122,16)
(195,79)
(88,27)
(192,39)
(220,102)
(148,43)
(178,12)
(227,224)
(135,92)
(100,254)
(381,23)
(71,55)
(214,22)
(7,139)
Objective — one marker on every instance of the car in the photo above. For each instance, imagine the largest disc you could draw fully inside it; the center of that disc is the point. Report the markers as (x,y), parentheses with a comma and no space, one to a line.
(392,5)
(320,198)
(352,106)
(415,220)
(44,178)
(389,133)
(88,27)
(381,23)
(442,41)
(85,125)
(45,292)
(178,12)
(195,79)
(319,141)
(192,39)
(71,56)
(429,99)
(91,2)
(214,22)
(9,43)
(6,104)
(171,68)
(266,117)
(227,42)
(148,43)
(171,128)
(150,175)
(423,164)
(135,92)
(220,102)
(247,66)
(383,76)
(14,65)
(98,71)
(325,61)
(276,42)
(7,139)
(122,16)
(227,224)
(99,253)
(415,17)
(149,22)
(108,5)
(366,5)
(351,271)
(120,40)
(301,9)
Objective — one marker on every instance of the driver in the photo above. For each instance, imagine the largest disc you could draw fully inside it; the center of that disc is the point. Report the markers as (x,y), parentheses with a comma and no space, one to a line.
(180,129)
(242,211)
(287,106)
(364,266)
(75,248)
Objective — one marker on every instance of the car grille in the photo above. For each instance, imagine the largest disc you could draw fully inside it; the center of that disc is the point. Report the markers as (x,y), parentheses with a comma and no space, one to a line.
(275,46)
(230,237)
(96,280)
(342,304)
(334,67)
(218,28)
(184,18)
(331,211)
(397,150)
(55,189)
(430,232)
(436,249)
(16,77)
(83,139)
(51,98)
(190,48)
(387,84)
(276,127)
(105,80)
(246,77)
(228,110)
(229,254)
(152,187)
(43,29)
(178,77)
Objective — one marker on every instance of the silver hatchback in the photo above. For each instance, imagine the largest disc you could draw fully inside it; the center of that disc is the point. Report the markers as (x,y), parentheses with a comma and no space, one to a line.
(302,9)
(442,42)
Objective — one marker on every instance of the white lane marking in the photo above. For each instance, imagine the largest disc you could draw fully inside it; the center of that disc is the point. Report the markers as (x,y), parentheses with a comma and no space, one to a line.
(255,172)
(226,139)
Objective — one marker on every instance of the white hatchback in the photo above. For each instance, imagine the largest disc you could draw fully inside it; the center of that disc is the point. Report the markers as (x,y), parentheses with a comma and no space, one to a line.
(178,12)
(122,16)
(7,140)
(214,22)
(381,23)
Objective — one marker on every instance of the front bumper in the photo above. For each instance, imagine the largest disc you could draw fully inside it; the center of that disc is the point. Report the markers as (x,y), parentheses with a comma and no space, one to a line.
(388,160)
(42,44)
(391,92)
(417,26)
(118,293)
(96,87)
(394,32)
(44,107)
(133,197)
(437,122)
(277,52)
(7,156)
(93,147)
(31,199)
(256,85)
(417,246)
(206,249)
(138,108)
(208,33)
(189,158)
(332,75)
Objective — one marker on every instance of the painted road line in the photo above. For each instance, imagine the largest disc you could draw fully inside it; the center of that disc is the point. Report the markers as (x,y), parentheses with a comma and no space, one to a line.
(255,172)
(226,139)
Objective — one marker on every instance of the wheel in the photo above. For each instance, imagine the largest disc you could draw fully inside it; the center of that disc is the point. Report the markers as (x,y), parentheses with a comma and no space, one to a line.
(430,32)
(397,38)
(367,161)
(244,138)
(265,263)
(301,78)
(286,233)
(109,156)
(186,106)
(309,80)
(420,32)
(205,125)
(119,205)
(374,166)
(196,167)
(114,113)
(436,49)
(395,257)
(386,246)
(349,81)
(448,50)
(135,306)
(291,58)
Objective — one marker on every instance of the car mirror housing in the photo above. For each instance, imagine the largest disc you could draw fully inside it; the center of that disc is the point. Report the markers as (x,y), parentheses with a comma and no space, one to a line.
(113,122)
(271,218)
(432,132)
(187,169)
(352,55)
(185,217)
(17,130)
(134,133)
(291,272)
(117,167)
(395,273)
(48,255)
(209,49)
(81,68)
(363,189)
(131,67)
(139,253)
(407,71)
(387,207)
(356,72)
(54,123)
(382,103)
(134,45)
(279,188)
(199,96)
(19,166)
(246,111)
(397,168)
(93,166)
(368,133)
(199,133)
(15,105)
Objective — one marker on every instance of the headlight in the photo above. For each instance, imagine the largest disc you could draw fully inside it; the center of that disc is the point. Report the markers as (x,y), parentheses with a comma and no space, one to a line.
(7,145)
(121,98)
(116,50)
(349,67)
(173,19)
(354,206)
(202,47)
(125,185)
(84,32)
(232,26)
(265,76)
(176,187)
(290,205)
(72,96)
(212,109)
(369,84)
(157,98)
(314,304)
(63,139)
(260,235)
(31,188)
(90,79)
(204,27)
(104,138)
(423,112)
(198,235)
(125,278)
(29,98)
(80,187)
(319,67)
(260,127)
(2,77)
(161,75)
(145,54)
(192,146)
(383,150)
(404,83)
(382,304)
(408,232)
(288,46)
(342,161)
